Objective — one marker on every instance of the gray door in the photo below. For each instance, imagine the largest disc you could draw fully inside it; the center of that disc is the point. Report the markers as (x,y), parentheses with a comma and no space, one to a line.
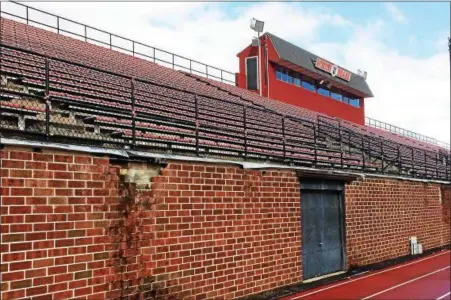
(322,232)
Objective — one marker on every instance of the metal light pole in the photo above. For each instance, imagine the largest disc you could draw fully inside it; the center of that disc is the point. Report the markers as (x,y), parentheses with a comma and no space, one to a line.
(449,50)
(257,26)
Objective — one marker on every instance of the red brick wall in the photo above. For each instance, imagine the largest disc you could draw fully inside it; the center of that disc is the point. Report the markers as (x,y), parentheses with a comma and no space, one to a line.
(72,228)
(381,215)
(446,210)
(225,232)
(65,233)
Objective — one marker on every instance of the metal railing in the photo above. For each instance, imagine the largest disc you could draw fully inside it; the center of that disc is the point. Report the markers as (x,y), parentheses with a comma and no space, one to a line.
(61,101)
(404,132)
(135,48)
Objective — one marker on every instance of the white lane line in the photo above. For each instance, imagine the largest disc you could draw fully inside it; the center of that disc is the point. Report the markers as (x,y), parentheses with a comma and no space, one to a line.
(404,283)
(443,296)
(369,275)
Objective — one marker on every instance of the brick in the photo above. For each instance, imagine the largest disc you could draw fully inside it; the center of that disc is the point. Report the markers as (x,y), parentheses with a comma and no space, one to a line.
(20,266)
(43,263)
(36,273)
(21,191)
(15,182)
(17,237)
(56,167)
(20,155)
(84,274)
(57,270)
(35,165)
(42,174)
(12,200)
(63,158)
(86,160)
(7,257)
(12,164)
(36,291)
(42,157)
(12,276)
(21,246)
(22,284)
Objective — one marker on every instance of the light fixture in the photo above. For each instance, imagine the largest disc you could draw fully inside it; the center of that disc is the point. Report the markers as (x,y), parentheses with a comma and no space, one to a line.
(322,82)
(257,25)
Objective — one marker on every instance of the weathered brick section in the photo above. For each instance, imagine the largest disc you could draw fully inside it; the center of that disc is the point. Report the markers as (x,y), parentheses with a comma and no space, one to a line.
(224,232)
(381,215)
(65,231)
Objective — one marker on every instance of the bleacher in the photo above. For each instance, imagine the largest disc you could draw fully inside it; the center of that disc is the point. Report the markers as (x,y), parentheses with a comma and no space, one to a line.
(61,89)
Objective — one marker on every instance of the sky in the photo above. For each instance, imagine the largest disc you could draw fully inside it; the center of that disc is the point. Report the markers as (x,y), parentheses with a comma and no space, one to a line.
(402,45)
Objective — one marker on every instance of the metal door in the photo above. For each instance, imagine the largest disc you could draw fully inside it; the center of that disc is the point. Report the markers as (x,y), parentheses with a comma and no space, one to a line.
(322,232)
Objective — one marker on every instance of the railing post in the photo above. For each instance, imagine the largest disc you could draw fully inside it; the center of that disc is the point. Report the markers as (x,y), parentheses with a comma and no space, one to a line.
(173,61)
(133,48)
(340,136)
(111,42)
(86,34)
(447,165)
(399,161)
(196,107)
(437,158)
(47,99)
(132,92)
(206,71)
(190,68)
(283,140)
(382,156)
(58,25)
(221,77)
(315,146)
(425,163)
(27,13)
(363,152)
(245,131)
(413,163)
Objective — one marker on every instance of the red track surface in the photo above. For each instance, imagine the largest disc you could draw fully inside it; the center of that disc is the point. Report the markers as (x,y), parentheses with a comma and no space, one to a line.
(424,278)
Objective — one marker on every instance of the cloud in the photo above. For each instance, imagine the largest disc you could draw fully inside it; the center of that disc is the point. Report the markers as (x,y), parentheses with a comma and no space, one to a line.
(410,92)
(395,13)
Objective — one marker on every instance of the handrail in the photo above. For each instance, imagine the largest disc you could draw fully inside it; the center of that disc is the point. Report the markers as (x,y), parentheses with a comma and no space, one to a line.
(404,132)
(222,73)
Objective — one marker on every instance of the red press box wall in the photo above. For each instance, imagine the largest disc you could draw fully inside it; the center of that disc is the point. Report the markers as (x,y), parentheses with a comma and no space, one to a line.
(72,228)
(295,95)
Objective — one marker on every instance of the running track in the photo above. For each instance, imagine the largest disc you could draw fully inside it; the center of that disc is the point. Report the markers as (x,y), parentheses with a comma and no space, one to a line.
(424,278)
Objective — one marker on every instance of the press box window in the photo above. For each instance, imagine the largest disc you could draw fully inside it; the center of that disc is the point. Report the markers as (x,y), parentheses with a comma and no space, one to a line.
(251,73)
(354,102)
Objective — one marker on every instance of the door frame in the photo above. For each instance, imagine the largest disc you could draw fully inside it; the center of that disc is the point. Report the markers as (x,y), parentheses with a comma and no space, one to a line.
(315,184)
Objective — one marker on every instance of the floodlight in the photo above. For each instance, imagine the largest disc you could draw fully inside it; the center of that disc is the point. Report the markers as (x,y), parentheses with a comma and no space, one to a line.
(322,82)
(257,25)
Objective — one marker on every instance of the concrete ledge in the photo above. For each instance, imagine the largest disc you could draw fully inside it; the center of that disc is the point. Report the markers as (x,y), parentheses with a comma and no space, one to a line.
(245,165)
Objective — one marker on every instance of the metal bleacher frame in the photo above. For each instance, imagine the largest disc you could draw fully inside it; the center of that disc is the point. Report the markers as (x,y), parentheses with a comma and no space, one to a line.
(34,93)
(215,127)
